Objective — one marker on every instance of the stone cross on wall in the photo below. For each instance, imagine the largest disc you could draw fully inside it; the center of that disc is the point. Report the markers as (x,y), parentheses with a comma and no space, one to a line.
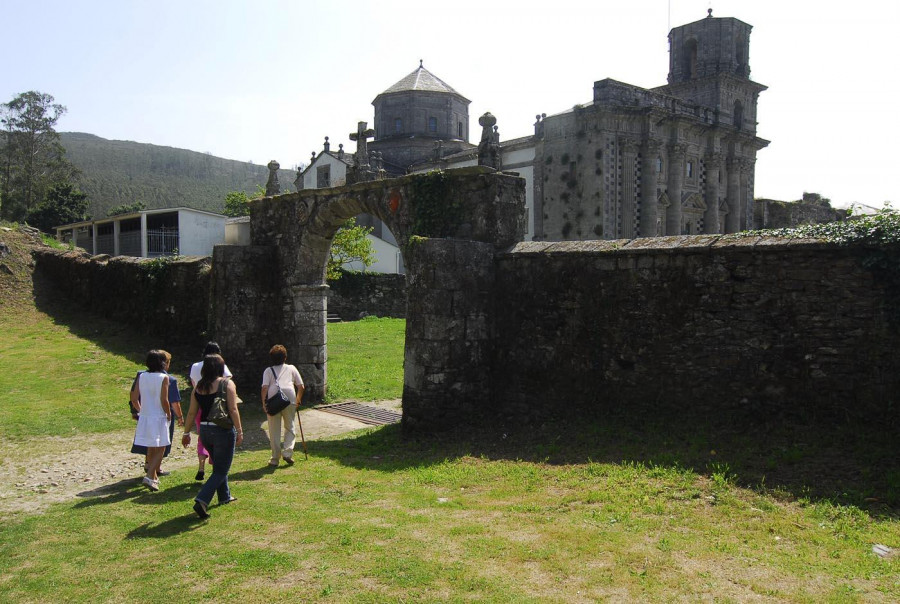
(272,186)
(362,153)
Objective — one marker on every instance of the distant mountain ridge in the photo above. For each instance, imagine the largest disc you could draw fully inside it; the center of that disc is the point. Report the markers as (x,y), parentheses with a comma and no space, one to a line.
(115,172)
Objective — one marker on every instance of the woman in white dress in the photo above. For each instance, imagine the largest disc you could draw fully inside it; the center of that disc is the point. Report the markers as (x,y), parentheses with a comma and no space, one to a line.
(151,399)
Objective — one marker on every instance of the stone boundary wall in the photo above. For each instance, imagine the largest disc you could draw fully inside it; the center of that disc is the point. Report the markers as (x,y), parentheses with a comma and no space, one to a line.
(710,325)
(356,295)
(168,299)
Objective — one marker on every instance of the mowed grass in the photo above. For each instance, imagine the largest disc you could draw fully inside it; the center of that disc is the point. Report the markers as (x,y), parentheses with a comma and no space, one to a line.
(55,381)
(553,513)
(365,359)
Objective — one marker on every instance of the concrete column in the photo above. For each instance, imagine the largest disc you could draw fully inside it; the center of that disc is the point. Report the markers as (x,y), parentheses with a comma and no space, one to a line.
(733,196)
(649,177)
(117,230)
(629,190)
(711,216)
(675,184)
(144,247)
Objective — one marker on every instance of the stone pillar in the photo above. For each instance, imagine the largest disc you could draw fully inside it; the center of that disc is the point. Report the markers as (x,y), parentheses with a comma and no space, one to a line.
(447,363)
(305,318)
(649,176)
(629,190)
(711,216)
(746,198)
(675,183)
(733,196)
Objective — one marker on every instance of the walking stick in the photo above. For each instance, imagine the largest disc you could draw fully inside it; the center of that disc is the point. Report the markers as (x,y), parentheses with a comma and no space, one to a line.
(302,439)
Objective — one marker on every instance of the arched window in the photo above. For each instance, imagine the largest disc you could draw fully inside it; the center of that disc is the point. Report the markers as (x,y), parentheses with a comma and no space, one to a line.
(659,165)
(689,56)
(432,124)
(738,115)
(398,125)
(459,129)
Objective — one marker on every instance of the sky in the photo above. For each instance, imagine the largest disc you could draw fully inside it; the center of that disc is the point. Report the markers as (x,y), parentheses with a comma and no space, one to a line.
(256,80)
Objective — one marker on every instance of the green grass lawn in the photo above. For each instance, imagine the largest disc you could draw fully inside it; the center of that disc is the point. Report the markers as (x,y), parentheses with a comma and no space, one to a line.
(587,511)
(365,359)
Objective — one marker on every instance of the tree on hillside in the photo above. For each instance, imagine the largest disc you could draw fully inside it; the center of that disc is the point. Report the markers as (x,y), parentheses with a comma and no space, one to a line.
(126,208)
(64,205)
(236,202)
(350,244)
(32,157)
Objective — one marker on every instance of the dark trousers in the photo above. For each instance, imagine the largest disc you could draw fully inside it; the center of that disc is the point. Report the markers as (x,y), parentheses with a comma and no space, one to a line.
(220,444)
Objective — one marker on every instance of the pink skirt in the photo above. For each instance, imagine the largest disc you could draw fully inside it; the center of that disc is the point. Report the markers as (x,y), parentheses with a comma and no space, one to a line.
(201,450)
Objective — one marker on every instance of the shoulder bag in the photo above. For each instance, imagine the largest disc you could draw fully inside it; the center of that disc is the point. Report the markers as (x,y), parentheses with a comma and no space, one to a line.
(276,403)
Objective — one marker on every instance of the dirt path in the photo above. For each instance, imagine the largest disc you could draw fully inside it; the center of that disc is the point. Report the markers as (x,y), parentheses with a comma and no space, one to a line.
(56,469)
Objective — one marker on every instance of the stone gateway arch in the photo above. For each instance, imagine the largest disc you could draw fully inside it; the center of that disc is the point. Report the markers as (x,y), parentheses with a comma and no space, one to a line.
(449,225)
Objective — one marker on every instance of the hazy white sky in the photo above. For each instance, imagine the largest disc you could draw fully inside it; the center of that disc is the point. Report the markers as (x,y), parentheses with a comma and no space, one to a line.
(269,79)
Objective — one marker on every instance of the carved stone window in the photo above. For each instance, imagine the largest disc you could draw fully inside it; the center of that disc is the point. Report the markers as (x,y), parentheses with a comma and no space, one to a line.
(738,115)
(689,56)
(459,128)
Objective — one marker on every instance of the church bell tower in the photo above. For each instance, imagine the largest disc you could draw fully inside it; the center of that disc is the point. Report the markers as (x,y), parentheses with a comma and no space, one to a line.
(709,64)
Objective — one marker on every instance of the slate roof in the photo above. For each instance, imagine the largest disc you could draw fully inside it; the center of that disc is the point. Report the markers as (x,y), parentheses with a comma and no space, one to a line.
(421,80)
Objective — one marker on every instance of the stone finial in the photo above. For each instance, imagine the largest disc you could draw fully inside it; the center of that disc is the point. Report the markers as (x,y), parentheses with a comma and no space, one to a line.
(420,63)
(489,147)
(438,150)
(327,145)
(709,13)
(340,150)
(272,186)
(539,125)
(312,157)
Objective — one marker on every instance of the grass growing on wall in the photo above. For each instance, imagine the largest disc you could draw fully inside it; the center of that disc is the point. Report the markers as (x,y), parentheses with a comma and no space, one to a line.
(365,359)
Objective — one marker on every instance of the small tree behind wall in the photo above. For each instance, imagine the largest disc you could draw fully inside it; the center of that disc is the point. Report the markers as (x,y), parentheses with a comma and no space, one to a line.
(350,244)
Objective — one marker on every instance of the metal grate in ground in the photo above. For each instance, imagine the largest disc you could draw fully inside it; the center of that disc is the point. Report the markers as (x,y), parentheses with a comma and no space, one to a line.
(373,416)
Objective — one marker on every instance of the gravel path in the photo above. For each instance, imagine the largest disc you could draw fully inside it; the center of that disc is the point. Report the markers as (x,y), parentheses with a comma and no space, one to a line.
(53,469)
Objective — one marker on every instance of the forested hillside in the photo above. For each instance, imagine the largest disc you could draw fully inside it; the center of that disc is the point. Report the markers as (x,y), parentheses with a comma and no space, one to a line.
(114,173)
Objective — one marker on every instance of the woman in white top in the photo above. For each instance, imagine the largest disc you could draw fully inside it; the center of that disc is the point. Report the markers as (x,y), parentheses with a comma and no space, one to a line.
(285,376)
(151,399)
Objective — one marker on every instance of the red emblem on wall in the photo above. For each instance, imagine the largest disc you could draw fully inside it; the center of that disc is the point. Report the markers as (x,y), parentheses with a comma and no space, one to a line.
(394,201)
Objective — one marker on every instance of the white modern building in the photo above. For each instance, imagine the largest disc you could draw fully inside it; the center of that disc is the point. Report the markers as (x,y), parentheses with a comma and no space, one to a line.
(148,233)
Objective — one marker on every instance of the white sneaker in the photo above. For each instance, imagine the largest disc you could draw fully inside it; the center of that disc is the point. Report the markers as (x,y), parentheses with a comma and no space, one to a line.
(151,484)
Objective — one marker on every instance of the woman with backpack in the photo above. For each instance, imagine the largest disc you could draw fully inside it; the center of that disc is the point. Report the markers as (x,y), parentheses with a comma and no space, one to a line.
(213,390)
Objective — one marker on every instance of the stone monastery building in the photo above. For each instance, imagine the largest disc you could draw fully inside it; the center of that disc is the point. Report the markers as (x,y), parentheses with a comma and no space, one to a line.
(633,162)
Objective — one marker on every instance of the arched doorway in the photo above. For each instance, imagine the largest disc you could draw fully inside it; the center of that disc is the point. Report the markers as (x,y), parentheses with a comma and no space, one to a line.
(448,224)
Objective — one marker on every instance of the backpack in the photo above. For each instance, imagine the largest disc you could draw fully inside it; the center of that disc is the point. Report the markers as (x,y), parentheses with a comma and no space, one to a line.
(218,410)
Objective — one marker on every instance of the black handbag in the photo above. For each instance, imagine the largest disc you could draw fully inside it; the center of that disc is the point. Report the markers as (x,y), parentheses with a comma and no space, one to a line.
(218,410)
(131,408)
(276,403)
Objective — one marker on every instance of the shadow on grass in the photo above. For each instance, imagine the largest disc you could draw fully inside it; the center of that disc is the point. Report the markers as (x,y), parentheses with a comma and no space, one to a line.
(844,464)
(167,528)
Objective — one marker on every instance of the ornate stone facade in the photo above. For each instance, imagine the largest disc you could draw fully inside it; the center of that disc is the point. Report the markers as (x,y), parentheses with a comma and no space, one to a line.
(677,159)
